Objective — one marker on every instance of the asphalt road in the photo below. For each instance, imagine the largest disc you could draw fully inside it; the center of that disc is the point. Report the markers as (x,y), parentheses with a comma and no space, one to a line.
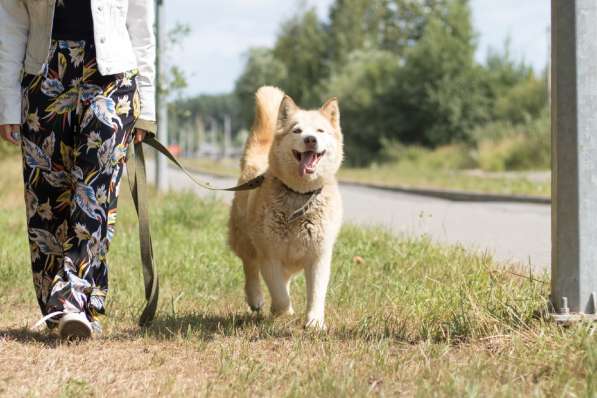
(513,233)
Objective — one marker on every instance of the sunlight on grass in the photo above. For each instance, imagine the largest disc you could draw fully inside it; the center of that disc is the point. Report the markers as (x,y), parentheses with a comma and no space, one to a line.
(406,317)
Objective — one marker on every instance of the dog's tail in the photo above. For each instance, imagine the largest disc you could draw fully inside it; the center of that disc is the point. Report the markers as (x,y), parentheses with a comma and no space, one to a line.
(259,142)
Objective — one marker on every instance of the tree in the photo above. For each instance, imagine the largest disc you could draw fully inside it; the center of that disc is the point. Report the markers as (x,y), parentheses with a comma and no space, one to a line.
(175,80)
(362,84)
(356,25)
(404,71)
(440,92)
(513,88)
(302,46)
(262,68)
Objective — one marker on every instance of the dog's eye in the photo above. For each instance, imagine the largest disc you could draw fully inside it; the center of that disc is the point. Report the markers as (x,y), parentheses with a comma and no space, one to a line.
(297,130)
(320,131)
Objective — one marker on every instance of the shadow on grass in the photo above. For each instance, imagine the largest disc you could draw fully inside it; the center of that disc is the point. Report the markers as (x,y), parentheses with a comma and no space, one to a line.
(26,336)
(253,327)
(209,326)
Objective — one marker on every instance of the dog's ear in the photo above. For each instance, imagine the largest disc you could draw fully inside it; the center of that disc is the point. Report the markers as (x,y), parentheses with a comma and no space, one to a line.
(331,110)
(287,109)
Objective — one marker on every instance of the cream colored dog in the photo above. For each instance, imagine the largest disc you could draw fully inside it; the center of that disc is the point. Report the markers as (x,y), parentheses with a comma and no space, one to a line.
(291,222)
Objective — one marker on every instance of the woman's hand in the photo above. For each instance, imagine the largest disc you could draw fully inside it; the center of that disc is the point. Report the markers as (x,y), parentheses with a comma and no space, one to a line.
(140,135)
(10,132)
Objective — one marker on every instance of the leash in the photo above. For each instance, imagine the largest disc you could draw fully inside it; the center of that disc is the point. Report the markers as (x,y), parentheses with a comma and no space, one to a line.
(247,186)
(137,177)
(138,185)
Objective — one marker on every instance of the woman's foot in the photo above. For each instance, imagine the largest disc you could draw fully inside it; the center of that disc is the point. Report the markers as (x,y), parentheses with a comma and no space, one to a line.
(75,326)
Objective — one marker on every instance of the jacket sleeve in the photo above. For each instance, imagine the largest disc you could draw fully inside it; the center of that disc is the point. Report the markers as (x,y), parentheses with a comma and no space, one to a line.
(140,19)
(14,28)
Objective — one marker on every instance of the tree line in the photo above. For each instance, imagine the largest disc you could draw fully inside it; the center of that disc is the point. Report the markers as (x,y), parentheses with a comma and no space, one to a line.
(404,71)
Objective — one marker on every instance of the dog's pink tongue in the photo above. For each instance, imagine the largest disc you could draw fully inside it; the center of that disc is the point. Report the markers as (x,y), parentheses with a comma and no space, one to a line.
(307,160)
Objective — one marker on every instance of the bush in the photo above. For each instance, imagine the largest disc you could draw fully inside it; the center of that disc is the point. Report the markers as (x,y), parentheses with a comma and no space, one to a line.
(503,146)
(448,157)
(525,100)
(367,118)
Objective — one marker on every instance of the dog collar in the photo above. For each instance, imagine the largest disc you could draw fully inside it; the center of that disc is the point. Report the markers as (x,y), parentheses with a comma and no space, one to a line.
(304,209)
(315,192)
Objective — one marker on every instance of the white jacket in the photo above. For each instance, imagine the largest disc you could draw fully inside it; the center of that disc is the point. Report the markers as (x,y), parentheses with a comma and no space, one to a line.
(124,40)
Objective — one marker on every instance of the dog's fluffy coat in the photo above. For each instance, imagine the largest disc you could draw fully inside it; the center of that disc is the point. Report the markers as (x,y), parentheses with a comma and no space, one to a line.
(300,152)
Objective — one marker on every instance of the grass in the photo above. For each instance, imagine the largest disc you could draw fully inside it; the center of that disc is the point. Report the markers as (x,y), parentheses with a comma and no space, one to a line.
(404,175)
(410,174)
(406,317)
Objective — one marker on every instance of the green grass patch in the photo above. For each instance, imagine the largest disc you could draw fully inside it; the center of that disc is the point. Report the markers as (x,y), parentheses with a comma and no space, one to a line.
(406,317)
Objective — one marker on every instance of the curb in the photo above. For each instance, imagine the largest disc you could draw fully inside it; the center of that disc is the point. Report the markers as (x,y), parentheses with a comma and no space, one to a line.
(454,195)
(446,194)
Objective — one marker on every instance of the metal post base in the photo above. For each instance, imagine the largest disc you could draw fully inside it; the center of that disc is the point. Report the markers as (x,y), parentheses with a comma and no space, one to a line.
(565,317)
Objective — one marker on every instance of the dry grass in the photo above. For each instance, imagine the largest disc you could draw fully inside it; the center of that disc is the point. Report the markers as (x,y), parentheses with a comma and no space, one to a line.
(406,317)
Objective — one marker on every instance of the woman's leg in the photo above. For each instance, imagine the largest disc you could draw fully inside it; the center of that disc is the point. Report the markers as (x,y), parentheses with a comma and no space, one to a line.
(75,138)
(106,114)
(46,137)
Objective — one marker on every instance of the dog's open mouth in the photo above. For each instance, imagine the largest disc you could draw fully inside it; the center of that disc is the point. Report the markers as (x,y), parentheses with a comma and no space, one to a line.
(308,161)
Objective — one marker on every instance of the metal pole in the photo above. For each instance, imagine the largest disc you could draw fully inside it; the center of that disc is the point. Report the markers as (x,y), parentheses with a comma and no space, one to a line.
(548,72)
(574,159)
(227,135)
(161,169)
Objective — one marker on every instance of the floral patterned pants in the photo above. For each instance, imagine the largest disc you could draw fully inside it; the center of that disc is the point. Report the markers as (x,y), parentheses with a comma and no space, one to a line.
(77,127)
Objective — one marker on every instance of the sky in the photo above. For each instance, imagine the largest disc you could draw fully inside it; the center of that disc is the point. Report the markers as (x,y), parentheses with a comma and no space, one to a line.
(222,31)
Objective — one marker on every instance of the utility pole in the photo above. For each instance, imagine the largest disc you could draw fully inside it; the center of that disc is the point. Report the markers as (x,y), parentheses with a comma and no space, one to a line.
(548,72)
(574,159)
(227,136)
(161,168)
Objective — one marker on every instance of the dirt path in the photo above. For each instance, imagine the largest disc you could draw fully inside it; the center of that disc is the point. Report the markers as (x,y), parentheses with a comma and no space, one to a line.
(513,233)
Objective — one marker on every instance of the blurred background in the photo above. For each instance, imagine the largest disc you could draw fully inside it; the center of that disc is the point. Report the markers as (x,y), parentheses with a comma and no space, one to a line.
(444,89)
(440,94)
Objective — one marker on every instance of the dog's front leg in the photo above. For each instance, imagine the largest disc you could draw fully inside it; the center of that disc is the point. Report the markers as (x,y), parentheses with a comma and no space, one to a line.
(252,285)
(317,276)
(277,280)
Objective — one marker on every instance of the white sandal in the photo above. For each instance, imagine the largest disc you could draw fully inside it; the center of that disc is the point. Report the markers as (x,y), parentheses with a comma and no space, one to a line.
(75,326)
(71,326)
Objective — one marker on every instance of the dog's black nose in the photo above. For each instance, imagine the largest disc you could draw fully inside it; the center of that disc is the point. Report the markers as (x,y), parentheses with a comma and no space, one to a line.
(310,140)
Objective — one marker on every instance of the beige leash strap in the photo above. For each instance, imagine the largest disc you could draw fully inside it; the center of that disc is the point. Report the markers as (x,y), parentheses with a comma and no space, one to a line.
(138,185)
(247,186)
(137,177)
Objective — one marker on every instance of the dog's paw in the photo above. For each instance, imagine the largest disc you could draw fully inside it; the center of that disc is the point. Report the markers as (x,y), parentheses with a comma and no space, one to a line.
(316,324)
(256,308)
(282,312)
(255,301)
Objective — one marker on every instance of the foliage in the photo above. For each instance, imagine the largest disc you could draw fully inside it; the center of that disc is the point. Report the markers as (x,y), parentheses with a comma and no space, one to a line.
(404,71)
(439,88)
(525,146)
(522,102)
(175,80)
(448,157)
(355,25)
(363,86)
(513,88)
(301,47)
(262,68)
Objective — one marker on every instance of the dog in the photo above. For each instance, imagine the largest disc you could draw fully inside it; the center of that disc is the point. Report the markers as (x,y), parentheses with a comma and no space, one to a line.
(291,222)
